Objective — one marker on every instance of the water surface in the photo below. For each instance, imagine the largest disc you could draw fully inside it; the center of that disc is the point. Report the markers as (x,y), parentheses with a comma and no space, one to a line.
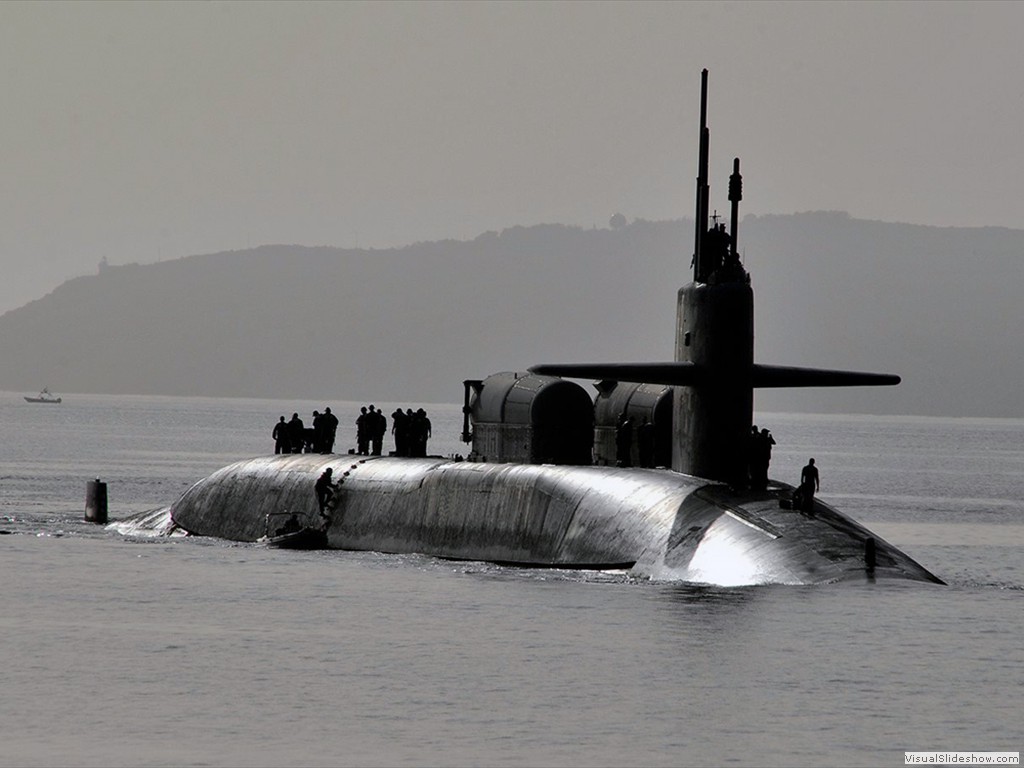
(203,652)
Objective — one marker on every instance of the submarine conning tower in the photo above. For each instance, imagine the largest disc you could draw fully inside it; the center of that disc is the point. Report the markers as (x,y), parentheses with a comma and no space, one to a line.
(715,334)
(714,374)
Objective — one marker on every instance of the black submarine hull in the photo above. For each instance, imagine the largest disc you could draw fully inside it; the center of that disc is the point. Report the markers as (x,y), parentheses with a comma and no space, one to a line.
(658,523)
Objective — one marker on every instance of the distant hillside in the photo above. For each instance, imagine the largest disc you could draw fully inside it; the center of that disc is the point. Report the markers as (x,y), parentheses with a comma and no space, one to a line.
(938,306)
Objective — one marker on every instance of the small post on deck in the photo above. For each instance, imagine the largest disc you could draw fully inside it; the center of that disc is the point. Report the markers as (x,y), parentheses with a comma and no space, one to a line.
(96,502)
(870,556)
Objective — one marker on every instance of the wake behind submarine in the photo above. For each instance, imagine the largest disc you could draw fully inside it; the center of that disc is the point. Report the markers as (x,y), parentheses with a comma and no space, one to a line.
(540,486)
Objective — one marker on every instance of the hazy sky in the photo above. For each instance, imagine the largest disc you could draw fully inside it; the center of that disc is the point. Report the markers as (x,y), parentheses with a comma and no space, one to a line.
(145,131)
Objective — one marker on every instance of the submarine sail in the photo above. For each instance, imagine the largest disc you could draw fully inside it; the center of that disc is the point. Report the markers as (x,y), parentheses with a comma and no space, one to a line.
(540,487)
(714,373)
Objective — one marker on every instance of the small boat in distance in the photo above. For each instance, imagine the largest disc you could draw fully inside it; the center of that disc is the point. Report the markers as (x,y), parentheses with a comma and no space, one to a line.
(44,396)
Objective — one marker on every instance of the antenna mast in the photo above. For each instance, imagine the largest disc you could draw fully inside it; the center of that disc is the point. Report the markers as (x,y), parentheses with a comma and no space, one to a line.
(701,216)
(735,195)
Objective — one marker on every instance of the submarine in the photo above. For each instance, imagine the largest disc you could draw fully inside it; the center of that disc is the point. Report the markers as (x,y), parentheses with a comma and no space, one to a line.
(545,484)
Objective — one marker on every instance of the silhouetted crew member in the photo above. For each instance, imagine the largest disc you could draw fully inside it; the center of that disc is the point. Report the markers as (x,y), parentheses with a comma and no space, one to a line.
(767,441)
(760,457)
(809,485)
(363,432)
(624,441)
(281,442)
(325,490)
(400,429)
(645,443)
(411,433)
(426,430)
(330,430)
(296,433)
(378,427)
(411,449)
(419,432)
(318,432)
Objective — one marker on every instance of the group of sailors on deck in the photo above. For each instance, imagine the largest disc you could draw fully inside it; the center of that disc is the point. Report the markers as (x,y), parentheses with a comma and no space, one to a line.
(295,437)
(411,431)
(759,456)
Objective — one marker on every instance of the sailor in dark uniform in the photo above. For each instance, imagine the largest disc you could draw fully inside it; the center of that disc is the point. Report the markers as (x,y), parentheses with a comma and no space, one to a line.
(318,433)
(363,432)
(378,427)
(809,485)
(296,433)
(400,429)
(281,442)
(330,422)
(325,491)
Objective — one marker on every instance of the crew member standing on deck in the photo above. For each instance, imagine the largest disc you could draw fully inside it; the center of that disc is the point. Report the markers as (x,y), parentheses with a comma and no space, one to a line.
(766,441)
(809,485)
(378,429)
(400,429)
(417,434)
(318,433)
(363,432)
(423,431)
(296,433)
(411,433)
(281,442)
(330,430)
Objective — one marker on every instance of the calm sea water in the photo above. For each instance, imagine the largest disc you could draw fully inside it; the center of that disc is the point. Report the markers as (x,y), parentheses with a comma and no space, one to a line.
(202,652)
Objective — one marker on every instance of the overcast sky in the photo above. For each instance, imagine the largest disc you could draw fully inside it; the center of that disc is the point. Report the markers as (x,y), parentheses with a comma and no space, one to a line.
(147,131)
